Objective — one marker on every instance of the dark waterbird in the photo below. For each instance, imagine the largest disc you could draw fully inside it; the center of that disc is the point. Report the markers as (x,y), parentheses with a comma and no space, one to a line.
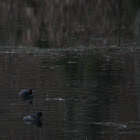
(33,119)
(26,95)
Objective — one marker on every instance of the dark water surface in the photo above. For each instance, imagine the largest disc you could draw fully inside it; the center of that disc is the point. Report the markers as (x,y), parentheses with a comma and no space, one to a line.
(82,97)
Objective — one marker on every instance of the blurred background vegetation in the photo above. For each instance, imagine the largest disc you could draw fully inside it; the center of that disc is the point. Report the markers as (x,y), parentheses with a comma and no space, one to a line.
(64,23)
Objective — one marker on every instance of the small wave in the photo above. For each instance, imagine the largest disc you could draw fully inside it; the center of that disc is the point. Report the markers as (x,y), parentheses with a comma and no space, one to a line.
(71,62)
(111,124)
(55,99)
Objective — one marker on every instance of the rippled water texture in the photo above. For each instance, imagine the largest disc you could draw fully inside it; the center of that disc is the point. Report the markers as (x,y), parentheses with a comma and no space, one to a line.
(82,97)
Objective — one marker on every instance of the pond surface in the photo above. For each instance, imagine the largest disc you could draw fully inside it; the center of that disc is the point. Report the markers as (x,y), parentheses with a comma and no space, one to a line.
(82,96)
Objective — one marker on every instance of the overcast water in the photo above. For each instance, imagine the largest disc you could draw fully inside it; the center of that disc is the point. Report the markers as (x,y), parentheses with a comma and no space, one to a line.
(82,97)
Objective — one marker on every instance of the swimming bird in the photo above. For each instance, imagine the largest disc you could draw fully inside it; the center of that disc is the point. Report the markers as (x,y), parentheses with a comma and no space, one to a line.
(33,119)
(26,95)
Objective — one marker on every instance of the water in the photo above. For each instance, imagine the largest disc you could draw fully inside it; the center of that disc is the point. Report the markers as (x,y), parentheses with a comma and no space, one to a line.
(82,96)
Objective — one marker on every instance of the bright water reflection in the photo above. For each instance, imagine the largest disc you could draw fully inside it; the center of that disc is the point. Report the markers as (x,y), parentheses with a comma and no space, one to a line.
(82,97)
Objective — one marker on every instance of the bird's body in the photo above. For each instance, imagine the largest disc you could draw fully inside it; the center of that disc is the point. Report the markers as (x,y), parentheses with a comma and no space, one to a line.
(26,94)
(33,118)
